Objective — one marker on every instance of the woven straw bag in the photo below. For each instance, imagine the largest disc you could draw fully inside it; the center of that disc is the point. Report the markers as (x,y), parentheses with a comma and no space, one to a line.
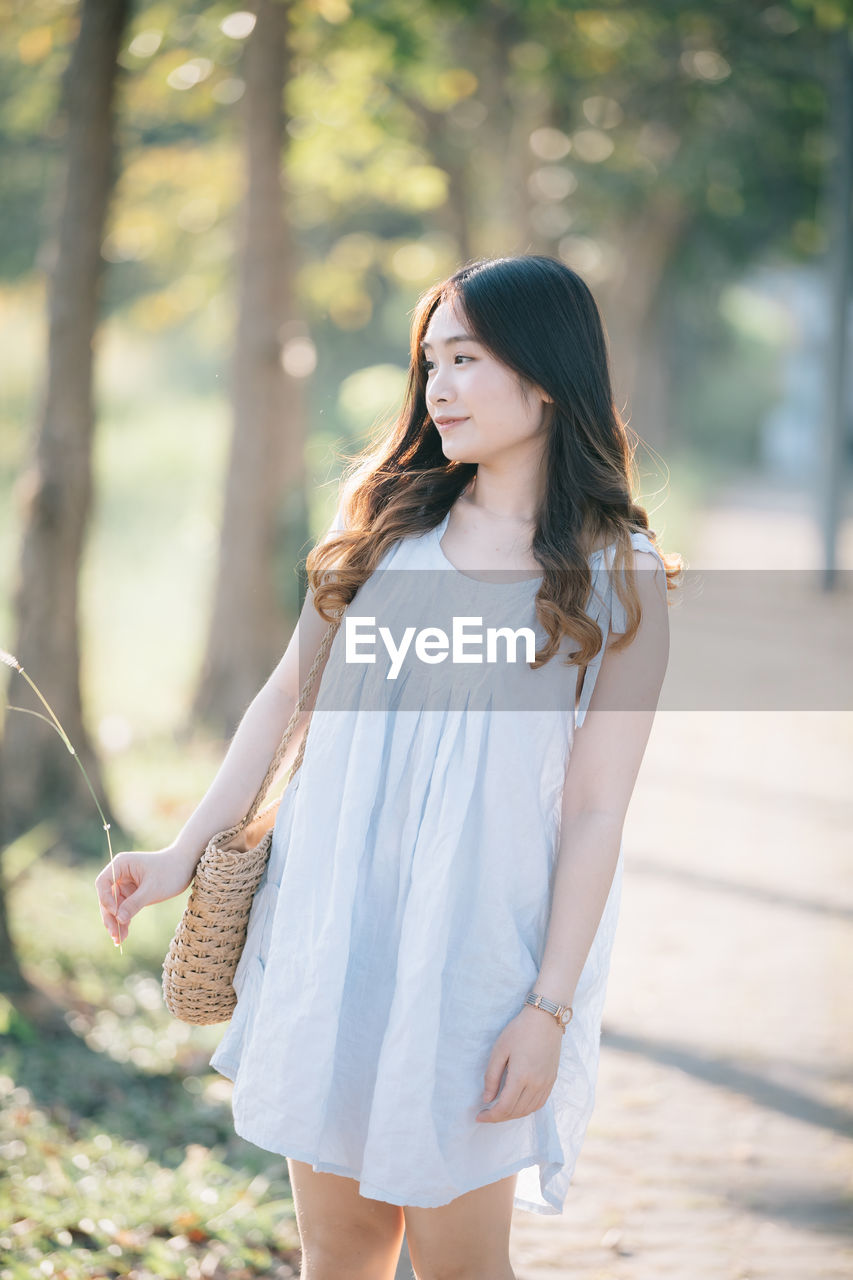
(198,970)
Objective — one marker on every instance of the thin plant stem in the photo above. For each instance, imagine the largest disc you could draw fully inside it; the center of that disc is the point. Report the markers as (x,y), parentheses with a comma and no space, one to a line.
(13,662)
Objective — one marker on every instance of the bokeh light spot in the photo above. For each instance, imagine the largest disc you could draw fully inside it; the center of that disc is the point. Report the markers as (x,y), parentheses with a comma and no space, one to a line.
(238,25)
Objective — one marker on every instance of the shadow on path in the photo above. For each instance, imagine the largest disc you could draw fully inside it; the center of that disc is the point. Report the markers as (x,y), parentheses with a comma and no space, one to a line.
(703,880)
(726,1073)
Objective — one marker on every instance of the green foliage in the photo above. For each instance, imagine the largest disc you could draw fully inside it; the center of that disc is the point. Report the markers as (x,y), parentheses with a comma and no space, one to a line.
(726,373)
(723,105)
(33,57)
(118,1146)
(549,125)
(402,124)
(79,1202)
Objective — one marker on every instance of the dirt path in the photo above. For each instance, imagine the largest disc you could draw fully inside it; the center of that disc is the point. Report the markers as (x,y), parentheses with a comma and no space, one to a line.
(722,1141)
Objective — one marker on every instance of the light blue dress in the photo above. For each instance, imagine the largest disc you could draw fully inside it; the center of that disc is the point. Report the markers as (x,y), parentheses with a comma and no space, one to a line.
(403,913)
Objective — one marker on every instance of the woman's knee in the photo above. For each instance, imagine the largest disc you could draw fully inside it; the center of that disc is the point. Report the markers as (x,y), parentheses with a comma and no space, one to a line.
(467,1238)
(342,1232)
(352,1255)
(463,1269)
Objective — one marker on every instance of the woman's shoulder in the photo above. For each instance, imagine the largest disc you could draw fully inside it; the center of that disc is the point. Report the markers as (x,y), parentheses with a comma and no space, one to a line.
(640,541)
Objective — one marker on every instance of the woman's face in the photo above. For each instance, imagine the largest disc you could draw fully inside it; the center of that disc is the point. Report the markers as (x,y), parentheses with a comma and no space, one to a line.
(475,401)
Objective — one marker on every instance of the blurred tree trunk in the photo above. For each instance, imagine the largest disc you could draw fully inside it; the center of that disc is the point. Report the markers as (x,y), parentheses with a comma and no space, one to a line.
(264,524)
(833,461)
(451,151)
(629,304)
(37,773)
(501,161)
(11,978)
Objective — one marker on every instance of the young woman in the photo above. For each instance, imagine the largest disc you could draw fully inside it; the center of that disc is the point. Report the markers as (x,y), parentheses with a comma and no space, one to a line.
(420,994)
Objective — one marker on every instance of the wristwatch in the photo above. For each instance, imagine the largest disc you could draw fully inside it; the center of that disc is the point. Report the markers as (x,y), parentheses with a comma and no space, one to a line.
(562,1012)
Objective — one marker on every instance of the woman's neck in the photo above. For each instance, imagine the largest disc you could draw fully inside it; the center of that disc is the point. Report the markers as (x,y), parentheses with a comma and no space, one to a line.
(500,498)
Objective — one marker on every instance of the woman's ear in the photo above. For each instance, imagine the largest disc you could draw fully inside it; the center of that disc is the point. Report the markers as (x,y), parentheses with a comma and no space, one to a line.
(531,388)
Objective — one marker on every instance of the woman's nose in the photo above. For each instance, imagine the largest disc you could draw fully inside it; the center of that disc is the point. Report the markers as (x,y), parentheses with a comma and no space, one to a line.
(440,389)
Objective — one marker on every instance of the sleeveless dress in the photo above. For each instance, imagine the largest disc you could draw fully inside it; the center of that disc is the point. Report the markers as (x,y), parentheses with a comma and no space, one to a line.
(403,912)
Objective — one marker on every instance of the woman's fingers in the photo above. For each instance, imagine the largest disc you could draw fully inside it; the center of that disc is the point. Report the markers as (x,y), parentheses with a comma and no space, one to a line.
(508,1100)
(134,880)
(494,1071)
(528,1053)
(524,1092)
(522,1103)
(132,903)
(116,883)
(113,884)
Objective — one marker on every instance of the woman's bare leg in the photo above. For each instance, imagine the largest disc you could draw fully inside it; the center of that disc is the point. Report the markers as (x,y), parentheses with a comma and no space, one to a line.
(469,1237)
(341,1232)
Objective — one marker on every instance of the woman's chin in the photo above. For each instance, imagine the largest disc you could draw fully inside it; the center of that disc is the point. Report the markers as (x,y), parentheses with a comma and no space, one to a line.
(455,451)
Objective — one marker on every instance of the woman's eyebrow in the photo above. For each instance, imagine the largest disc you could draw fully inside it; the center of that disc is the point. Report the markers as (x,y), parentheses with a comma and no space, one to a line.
(457,337)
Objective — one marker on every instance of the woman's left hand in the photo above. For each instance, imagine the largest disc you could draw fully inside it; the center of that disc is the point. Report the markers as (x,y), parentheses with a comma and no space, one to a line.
(529,1049)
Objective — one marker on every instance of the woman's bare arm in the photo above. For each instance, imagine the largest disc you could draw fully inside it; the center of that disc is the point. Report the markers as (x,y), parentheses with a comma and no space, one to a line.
(135,879)
(605,760)
(256,739)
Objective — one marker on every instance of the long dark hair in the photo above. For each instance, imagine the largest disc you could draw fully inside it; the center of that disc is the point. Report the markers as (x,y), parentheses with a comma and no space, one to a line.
(539,318)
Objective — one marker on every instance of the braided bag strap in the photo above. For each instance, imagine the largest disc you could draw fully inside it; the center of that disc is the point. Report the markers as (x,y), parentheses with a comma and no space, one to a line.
(288,734)
(200,966)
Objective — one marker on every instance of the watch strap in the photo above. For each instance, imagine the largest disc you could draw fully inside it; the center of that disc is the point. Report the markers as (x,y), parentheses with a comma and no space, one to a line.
(559,1011)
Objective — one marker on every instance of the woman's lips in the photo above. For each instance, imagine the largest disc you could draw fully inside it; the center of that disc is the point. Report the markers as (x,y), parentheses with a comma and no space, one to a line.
(454,422)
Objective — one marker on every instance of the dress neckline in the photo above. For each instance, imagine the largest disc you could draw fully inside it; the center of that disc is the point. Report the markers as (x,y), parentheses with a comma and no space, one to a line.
(438,533)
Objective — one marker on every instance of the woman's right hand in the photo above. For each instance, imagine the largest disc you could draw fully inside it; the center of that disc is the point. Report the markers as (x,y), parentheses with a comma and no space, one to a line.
(134,880)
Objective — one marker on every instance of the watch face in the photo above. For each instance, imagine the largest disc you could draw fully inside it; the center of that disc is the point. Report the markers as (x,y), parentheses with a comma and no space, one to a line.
(565,1017)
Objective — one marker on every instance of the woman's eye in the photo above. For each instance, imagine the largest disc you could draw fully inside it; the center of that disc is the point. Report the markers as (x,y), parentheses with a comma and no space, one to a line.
(428,365)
